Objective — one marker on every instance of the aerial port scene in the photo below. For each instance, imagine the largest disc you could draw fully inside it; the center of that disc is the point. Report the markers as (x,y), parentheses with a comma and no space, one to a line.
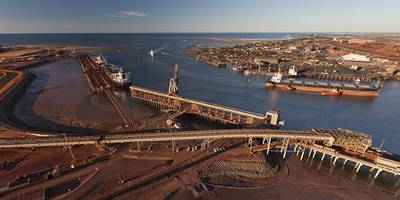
(176,100)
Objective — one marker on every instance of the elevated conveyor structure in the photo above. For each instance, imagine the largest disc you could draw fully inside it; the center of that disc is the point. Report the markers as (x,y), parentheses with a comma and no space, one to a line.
(205,109)
(168,136)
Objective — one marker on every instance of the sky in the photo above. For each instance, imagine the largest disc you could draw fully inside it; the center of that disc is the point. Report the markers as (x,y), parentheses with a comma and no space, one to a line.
(89,16)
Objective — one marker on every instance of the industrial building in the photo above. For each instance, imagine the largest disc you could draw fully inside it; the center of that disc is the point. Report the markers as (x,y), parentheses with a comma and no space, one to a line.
(356,58)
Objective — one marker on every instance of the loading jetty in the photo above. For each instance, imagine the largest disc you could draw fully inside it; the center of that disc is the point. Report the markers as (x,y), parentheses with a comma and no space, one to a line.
(99,82)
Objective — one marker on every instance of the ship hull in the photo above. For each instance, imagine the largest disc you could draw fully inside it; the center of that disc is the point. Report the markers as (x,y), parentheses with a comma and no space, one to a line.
(369,92)
(121,85)
(117,83)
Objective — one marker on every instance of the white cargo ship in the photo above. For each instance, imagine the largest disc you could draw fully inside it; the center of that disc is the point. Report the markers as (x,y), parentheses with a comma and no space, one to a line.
(118,76)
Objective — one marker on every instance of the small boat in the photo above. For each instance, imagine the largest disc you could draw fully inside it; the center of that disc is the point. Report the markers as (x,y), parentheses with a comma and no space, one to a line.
(287,89)
(333,92)
(269,85)
(151,52)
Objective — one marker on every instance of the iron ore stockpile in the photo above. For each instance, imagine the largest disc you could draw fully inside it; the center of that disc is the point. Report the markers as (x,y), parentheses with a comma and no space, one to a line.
(238,169)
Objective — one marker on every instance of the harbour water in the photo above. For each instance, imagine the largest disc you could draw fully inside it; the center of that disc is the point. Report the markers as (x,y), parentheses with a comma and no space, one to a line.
(377,116)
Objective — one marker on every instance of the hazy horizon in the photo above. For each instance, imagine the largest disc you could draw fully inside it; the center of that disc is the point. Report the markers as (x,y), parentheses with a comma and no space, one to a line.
(207,16)
(335,33)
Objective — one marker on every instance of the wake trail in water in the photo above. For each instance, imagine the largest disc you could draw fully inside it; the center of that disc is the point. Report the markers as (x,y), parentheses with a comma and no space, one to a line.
(191,62)
(161,48)
(176,56)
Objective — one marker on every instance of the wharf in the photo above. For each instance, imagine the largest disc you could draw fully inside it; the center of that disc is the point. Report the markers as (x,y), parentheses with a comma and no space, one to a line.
(98,82)
(208,110)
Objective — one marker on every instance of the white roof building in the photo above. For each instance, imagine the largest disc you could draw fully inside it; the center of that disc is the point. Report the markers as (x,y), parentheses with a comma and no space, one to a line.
(356,57)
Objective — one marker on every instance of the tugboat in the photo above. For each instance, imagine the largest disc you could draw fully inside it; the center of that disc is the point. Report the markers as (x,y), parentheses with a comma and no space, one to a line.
(288,89)
(333,92)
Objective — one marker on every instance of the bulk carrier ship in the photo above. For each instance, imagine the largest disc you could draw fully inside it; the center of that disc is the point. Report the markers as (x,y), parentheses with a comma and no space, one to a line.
(323,88)
(116,74)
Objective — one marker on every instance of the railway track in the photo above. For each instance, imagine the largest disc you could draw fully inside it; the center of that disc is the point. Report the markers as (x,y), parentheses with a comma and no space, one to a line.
(118,107)
(8,79)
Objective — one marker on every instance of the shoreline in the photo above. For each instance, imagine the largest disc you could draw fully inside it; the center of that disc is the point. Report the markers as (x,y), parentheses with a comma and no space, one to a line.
(10,122)
(242,40)
(189,51)
(13,126)
(316,183)
(26,110)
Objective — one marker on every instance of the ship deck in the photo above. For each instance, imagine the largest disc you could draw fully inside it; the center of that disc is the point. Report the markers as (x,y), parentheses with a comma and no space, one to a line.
(342,86)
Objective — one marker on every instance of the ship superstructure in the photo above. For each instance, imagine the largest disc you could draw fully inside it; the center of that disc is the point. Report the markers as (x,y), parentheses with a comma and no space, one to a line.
(293,72)
(117,75)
